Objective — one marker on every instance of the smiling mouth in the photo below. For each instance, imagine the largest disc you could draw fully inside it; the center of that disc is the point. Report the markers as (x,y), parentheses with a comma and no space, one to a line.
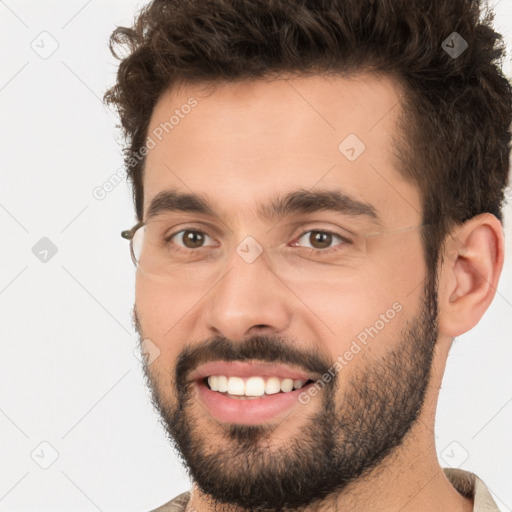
(252,387)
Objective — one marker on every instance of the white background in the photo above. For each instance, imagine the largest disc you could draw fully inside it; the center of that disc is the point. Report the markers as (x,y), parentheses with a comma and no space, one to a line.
(68,373)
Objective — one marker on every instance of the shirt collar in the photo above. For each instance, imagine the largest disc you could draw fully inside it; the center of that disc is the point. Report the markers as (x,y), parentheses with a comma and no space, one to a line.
(470,486)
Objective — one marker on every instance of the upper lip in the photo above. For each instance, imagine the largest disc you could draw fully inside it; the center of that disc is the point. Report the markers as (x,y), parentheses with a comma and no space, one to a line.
(250,369)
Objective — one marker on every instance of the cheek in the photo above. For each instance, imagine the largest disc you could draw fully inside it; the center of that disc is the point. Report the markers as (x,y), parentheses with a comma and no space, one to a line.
(366,327)
(161,304)
(403,260)
(365,312)
(160,307)
(349,304)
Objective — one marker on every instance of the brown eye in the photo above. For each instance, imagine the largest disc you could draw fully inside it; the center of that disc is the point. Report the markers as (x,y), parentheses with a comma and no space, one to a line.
(190,239)
(193,239)
(321,241)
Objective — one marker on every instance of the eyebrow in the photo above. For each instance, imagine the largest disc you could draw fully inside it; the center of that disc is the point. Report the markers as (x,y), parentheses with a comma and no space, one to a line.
(296,202)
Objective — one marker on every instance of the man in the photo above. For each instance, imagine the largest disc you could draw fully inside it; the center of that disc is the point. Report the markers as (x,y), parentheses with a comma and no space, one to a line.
(318,186)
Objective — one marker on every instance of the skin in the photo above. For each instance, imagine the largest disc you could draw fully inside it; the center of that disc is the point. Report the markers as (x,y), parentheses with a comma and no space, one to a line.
(240,145)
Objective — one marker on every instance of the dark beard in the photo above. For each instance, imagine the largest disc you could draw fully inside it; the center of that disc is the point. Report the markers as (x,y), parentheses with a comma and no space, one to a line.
(336,446)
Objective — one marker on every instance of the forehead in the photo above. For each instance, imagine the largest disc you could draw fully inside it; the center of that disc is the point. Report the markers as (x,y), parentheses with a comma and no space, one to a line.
(242,143)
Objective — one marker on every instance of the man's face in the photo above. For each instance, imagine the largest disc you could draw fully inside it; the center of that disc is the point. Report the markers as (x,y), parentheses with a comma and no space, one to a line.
(358,322)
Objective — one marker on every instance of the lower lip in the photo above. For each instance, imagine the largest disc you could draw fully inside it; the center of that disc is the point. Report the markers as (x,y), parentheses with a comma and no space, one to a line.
(247,411)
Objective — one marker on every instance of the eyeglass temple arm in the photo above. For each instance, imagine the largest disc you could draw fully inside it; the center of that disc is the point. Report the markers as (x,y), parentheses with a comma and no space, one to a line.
(128,233)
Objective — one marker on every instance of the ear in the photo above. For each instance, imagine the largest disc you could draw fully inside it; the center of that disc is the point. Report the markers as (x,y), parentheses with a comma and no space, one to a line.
(469,273)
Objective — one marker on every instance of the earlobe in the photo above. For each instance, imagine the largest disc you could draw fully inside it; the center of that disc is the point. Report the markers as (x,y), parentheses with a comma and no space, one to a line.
(469,274)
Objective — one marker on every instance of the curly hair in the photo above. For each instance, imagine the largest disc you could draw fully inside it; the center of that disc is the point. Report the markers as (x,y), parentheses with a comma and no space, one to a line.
(455,113)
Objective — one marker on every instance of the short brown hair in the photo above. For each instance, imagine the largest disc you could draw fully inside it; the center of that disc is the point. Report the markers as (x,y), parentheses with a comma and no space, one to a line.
(455,127)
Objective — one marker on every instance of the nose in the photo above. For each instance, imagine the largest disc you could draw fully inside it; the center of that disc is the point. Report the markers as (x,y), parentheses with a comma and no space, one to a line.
(249,299)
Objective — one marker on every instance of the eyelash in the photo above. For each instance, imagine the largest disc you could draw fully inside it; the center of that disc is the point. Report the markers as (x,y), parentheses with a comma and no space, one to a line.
(343,239)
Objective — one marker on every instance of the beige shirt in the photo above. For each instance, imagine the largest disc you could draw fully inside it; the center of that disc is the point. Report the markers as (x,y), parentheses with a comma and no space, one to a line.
(466,483)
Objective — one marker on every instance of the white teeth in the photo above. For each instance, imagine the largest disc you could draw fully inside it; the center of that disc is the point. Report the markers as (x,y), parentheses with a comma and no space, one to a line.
(222,383)
(297,384)
(286,385)
(272,386)
(236,386)
(253,386)
(213,383)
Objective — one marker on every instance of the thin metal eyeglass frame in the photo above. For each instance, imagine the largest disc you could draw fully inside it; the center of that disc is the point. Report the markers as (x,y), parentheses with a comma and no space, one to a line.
(128,234)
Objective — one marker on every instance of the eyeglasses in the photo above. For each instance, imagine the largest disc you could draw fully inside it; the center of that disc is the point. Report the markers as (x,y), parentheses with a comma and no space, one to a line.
(129,234)
(155,250)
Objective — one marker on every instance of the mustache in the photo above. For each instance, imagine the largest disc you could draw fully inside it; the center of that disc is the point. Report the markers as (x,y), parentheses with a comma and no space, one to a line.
(262,348)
